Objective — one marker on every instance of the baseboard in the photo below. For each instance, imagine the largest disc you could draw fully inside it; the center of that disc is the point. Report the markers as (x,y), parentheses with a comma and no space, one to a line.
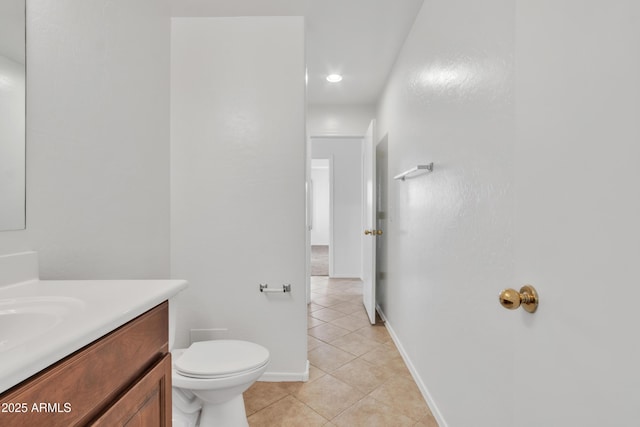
(279,377)
(414,373)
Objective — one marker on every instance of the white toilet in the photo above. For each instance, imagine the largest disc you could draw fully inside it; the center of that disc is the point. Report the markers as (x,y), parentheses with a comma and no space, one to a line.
(209,378)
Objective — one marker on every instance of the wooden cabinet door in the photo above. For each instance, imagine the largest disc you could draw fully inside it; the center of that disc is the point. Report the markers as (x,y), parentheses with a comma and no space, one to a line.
(146,404)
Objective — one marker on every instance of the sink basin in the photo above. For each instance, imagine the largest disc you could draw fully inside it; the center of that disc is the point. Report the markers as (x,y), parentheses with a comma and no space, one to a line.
(23,319)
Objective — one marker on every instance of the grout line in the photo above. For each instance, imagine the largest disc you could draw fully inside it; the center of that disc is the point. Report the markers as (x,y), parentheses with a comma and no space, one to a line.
(304,403)
(268,406)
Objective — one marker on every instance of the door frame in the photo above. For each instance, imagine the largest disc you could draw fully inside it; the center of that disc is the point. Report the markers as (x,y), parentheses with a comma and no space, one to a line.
(309,157)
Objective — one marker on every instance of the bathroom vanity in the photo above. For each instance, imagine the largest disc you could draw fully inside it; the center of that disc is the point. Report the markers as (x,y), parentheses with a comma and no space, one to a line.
(85,352)
(124,376)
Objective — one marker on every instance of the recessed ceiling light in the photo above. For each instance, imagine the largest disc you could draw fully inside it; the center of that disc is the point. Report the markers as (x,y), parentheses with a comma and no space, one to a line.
(334,78)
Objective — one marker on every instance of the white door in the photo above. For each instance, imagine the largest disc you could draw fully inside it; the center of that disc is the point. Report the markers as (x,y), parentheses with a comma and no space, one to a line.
(577,216)
(369,224)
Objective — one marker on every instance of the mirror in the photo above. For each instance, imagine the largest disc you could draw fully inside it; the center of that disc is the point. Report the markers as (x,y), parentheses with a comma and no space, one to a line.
(12,114)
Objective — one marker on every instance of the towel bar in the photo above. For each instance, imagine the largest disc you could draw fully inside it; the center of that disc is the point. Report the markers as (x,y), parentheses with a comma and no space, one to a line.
(404,174)
(265,288)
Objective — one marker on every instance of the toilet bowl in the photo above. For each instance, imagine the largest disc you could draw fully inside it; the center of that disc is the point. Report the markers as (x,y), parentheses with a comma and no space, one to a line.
(211,376)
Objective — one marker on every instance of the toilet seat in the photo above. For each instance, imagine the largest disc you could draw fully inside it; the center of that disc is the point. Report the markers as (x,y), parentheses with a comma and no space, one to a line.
(220,359)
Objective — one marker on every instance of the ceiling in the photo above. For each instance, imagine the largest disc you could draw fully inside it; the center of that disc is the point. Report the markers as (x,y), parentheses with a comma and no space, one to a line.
(359,39)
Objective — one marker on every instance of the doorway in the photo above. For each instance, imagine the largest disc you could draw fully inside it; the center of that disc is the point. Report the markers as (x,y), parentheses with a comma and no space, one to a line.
(320,221)
(345,200)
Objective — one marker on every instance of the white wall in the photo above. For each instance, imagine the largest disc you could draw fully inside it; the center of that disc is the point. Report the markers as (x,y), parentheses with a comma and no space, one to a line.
(449,100)
(320,176)
(347,201)
(12,148)
(97,139)
(238,181)
(339,120)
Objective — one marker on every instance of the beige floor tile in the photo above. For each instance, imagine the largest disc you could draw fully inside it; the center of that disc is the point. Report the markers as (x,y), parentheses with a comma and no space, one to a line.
(319,280)
(355,344)
(381,355)
(388,358)
(349,291)
(292,387)
(402,394)
(352,292)
(314,307)
(341,290)
(392,347)
(329,358)
(329,396)
(348,307)
(371,413)
(395,362)
(376,332)
(343,297)
(397,366)
(262,394)
(347,299)
(322,290)
(327,332)
(312,342)
(428,421)
(288,412)
(315,373)
(327,314)
(312,322)
(351,322)
(325,301)
(362,315)
(362,375)
(319,283)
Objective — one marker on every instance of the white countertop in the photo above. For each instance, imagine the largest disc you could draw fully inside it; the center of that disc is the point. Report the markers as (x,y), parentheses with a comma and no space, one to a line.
(93,309)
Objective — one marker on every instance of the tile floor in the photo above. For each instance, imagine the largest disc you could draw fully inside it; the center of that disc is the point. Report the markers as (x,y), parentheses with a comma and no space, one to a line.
(357,376)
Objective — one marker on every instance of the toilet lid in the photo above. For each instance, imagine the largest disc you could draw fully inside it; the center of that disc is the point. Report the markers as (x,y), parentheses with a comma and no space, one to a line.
(220,358)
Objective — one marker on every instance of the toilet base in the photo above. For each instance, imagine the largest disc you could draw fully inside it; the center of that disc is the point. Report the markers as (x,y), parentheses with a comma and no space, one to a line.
(228,414)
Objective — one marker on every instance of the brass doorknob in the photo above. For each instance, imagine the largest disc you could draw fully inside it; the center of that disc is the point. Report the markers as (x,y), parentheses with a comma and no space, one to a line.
(527,297)
(373,232)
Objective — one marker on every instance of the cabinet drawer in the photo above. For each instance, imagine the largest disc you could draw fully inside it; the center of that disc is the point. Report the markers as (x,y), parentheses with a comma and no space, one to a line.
(76,389)
(146,403)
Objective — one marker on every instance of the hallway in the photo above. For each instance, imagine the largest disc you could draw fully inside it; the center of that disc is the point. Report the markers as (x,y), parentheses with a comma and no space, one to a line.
(357,376)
